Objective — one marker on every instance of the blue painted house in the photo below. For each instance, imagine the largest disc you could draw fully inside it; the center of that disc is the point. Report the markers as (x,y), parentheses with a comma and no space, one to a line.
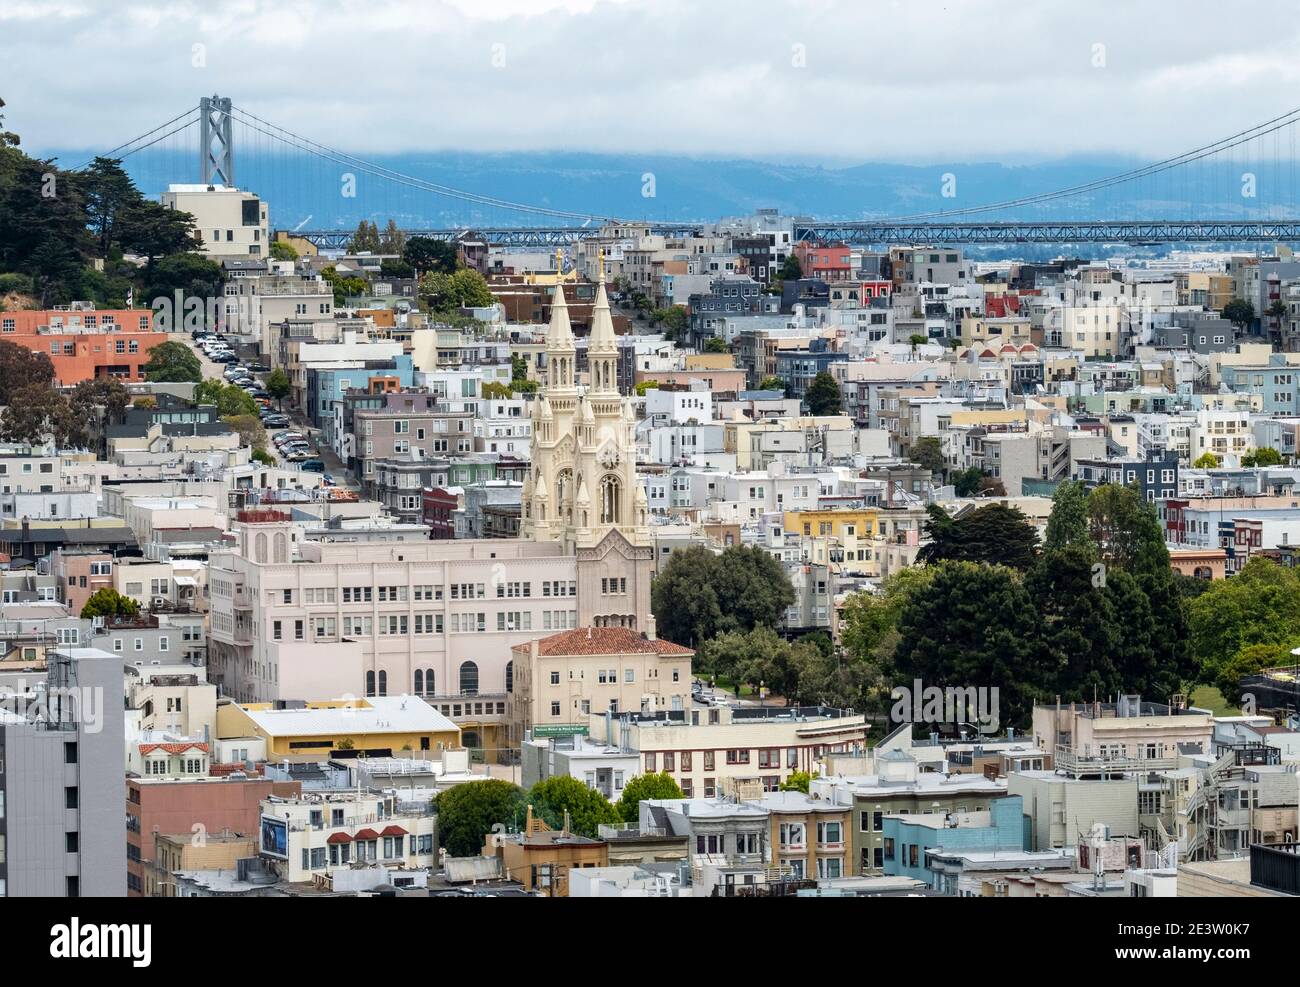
(907,837)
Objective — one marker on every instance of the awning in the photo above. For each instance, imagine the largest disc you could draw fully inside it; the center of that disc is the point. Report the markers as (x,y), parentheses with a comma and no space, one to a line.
(393,831)
(339,838)
(185,580)
(366,834)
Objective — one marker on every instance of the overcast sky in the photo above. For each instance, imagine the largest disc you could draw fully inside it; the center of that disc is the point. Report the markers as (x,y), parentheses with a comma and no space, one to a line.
(868,80)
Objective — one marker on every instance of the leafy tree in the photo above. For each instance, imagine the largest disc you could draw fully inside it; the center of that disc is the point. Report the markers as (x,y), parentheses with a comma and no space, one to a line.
(344,287)
(646,385)
(674,320)
(263,457)
(249,428)
(278,385)
(110,194)
(687,596)
(869,621)
(193,275)
(390,268)
(966,483)
(648,786)
(468,811)
(791,269)
(974,625)
(21,367)
(283,250)
(587,808)
(365,240)
(1077,623)
(37,413)
(1258,606)
(393,240)
(492,390)
(173,362)
(427,255)
(823,395)
(465,288)
(1263,456)
(108,602)
(1239,312)
(151,229)
(1277,310)
(716,344)
(1129,537)
(995,533)
(1068,523)
(772,384)
(927,452)
(1206,461)
(799,781)
(229,399)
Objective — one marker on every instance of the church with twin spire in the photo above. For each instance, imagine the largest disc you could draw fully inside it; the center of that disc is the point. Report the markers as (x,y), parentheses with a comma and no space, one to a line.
(582,492)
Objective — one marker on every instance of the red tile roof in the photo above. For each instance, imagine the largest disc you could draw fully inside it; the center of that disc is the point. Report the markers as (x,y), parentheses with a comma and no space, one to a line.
(173,748)
(393,831)
(339,838)
(366,834)
(604,641)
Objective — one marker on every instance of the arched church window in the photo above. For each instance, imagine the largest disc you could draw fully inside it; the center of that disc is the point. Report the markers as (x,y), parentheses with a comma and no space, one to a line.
(611,499)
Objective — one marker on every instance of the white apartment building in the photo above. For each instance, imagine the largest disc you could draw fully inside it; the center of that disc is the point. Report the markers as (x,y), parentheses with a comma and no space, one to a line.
(230,222)
(1223,433)
(308,837)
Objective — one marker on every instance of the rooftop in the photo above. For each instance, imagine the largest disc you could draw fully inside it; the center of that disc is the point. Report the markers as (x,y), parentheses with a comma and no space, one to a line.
(604,641)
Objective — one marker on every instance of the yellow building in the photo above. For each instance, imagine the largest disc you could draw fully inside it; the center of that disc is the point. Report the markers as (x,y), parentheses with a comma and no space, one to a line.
(375,724)
(849,523)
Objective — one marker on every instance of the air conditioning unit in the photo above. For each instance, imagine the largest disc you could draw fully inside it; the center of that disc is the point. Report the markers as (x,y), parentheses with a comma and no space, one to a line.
(159,601)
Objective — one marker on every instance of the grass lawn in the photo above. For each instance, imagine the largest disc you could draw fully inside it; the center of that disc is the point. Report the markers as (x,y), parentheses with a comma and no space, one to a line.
(1208,697)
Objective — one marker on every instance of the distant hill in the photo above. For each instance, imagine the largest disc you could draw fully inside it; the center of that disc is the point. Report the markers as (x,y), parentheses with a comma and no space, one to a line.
(308,192)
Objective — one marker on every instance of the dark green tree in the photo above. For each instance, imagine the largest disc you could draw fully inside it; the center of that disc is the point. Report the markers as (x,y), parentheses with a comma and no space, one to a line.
(427,255)
(587,809)
(649,786)
(1077,624)
(21,367)
(994,533)
(108,602)
(927,452)
(468,811)
(791,270)
(1239,312)
(974,625)
(1068,522)
(823,395)
(173,362)
(278,385)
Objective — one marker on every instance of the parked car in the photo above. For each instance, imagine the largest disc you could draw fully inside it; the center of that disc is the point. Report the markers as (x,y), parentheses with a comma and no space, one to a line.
(313,466)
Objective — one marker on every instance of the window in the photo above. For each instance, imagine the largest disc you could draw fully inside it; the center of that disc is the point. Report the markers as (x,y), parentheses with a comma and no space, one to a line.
(469,678)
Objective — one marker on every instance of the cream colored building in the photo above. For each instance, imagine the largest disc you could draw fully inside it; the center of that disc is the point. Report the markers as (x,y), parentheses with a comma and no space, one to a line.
(229,221)
(711,747)
(564,678)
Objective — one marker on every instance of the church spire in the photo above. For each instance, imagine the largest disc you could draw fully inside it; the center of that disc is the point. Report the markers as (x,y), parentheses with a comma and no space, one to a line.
(602,349)
(560,348)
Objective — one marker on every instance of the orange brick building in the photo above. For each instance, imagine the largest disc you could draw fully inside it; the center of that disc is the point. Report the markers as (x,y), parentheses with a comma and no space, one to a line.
(86,344)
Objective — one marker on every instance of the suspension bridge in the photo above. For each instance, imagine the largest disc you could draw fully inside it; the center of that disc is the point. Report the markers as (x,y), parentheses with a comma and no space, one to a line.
(1239,189)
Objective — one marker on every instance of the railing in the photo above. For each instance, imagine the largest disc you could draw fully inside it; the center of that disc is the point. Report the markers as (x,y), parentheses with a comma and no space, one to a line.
(1071,762)
(1276,867)
(629,831)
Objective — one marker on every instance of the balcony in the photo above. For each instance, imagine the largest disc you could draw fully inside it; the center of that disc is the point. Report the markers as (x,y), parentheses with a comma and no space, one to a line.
(1075,763)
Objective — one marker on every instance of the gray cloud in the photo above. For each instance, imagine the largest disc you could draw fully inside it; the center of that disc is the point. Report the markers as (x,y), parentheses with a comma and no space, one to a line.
(872,80)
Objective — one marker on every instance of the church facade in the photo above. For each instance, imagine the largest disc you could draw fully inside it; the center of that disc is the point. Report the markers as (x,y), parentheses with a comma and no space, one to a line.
(316,620)
(582,491)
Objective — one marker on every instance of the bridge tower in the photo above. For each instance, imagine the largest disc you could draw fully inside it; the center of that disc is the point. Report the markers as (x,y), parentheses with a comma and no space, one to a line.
(216,141)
